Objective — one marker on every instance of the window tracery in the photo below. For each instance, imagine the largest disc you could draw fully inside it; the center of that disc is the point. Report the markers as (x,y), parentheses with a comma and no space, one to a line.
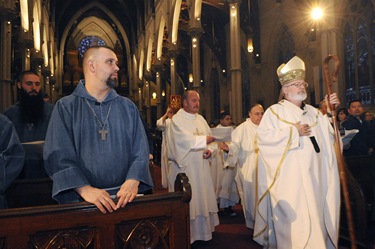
(359,52)
(89,41)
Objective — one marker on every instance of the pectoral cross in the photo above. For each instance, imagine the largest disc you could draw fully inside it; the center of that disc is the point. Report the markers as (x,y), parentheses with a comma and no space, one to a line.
(30,126)
(103,133)
(198,132)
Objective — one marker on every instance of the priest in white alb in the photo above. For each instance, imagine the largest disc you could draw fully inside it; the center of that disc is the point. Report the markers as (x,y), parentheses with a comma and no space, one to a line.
(223,176)
(298,184)
(243,155)
(188,137)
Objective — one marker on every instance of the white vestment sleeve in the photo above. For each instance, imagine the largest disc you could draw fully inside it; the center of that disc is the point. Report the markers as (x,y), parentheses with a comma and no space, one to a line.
(234,148)
(160,124)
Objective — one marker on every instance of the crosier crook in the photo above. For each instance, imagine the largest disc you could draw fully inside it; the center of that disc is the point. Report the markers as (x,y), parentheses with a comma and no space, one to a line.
(339,156)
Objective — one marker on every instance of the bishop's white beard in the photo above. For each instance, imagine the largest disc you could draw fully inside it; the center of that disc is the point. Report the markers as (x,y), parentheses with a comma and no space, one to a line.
(301,96)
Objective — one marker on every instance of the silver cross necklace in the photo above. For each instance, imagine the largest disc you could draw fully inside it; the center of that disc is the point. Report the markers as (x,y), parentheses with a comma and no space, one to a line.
(101,131)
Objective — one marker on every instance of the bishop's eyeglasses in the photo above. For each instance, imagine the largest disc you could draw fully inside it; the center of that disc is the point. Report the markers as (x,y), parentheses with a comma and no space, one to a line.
(299,84)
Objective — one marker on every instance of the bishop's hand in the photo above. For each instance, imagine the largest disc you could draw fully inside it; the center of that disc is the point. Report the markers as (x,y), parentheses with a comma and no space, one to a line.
(303,129)
(333,100)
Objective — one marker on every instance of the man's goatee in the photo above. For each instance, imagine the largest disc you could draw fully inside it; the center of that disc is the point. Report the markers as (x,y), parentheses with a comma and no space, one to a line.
(112,82)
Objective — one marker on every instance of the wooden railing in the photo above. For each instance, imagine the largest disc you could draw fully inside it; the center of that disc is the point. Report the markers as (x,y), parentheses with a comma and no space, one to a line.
(150,221)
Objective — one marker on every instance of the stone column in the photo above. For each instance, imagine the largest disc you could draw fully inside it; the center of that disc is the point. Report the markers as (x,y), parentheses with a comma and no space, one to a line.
(159,107)
(5,62)
(173,56)
(140,99)
(148,98)
(328,45)
(235,61)
(6,18)
(196,34)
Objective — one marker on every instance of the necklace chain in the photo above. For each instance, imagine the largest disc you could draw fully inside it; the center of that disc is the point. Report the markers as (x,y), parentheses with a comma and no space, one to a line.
(101,131)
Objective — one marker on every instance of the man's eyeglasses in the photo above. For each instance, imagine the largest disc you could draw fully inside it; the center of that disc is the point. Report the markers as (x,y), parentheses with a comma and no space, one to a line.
(298,84)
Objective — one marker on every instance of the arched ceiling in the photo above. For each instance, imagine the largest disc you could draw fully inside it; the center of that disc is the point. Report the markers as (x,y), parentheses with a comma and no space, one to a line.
(220,4)
(93,26)
(128,14)
(125,11)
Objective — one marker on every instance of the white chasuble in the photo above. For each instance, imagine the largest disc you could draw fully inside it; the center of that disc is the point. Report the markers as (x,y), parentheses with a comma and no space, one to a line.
(186,142)
(299,189)
(243,154)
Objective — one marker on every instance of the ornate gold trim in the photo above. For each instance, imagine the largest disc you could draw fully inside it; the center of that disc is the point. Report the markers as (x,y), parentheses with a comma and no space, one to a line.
(291,123)
(275,177)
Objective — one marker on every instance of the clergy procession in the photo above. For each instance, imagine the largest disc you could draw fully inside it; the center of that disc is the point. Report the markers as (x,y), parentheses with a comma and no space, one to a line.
(280,165)
(255,118)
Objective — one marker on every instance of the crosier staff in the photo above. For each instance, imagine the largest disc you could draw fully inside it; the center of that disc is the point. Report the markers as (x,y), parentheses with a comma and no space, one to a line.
(339,156)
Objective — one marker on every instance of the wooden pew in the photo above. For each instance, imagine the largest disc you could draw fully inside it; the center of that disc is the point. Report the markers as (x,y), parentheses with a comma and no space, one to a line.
(150,221)
(362,169)
(360,178)
(30,193)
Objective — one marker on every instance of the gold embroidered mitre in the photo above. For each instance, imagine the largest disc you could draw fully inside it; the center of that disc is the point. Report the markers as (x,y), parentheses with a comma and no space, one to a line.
(294,69)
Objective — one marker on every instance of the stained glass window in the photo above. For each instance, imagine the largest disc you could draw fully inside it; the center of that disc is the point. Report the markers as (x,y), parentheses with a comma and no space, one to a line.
(349,57)
(362,54)
(89,41)
(359,52)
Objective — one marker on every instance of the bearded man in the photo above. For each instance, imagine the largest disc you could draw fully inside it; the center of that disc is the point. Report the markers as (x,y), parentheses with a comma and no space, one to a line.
(96,147)
(31,114)
(30,117)
(298,181)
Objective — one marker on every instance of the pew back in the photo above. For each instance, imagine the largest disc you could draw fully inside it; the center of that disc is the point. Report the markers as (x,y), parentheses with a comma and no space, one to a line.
(151,221)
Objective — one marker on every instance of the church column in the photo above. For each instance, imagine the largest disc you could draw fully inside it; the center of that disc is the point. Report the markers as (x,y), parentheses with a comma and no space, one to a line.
(133,83)
(322,44)
(328,41)
(173,56)
(196,34)
(148,98)
(5,61)
(26,43)
(148,103)
(26,35)
(140,99)
(235,62)
(159,107)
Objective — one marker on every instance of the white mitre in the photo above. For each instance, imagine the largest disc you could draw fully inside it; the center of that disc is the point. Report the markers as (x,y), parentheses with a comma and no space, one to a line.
(294,69)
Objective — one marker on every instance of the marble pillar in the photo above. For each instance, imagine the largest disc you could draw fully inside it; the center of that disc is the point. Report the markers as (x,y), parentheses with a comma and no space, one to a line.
(235,62)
